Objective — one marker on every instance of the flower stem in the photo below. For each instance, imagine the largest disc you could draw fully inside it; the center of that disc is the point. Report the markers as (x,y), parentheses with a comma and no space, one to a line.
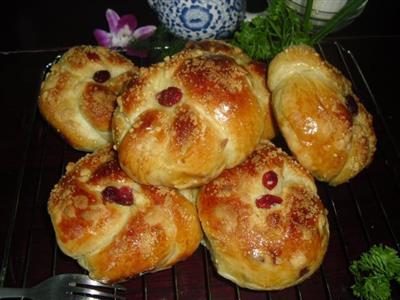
(307,15)
(350,7)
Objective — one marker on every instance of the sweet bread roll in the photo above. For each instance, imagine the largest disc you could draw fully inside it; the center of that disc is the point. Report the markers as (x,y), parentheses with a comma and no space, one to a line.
(223,48)
(78,95)
(257,68)
(264,224)
(116,228)
(186,119)
(323,122)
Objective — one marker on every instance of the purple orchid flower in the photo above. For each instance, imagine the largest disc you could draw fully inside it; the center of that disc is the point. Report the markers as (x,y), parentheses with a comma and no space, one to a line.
(122,31)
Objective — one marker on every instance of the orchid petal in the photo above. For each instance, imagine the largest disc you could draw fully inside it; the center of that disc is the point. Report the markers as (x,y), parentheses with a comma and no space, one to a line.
(122,38)
(112,19)
(144,32)
(102,37)
(129,20)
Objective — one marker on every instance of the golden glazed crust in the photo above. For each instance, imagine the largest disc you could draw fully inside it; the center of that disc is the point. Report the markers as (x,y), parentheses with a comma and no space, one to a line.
(114,241)
(258,70)
(266,247)
(217,121)
(77,102)
(323,122)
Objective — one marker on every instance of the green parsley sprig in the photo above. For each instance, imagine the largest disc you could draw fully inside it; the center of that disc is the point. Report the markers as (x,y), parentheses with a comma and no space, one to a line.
(266,35)
(280,27)
(374,272)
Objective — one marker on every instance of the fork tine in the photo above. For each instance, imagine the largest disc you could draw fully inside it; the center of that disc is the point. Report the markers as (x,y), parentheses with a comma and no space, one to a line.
(79,297)
(85,280)
(81,291)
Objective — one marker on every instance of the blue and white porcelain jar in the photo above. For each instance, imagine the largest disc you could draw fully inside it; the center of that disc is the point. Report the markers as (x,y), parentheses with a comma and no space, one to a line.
(200,19)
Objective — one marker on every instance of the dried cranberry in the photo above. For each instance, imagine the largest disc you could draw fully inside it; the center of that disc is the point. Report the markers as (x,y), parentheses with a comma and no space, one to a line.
(101,76)
(267,201)
(270,179)
(122,195)
(169,96)
(351,105)
(93,56)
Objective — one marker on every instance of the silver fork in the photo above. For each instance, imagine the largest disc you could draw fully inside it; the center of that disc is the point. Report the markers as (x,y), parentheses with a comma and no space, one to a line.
(67,287)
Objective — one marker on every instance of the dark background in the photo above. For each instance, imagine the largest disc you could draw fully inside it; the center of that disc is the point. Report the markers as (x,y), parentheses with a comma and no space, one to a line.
(45,24)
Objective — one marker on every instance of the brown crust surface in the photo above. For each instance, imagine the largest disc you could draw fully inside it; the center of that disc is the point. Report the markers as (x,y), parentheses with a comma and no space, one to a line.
(113,241)
(264,248)
(323,122)
(218,121)
(75,104)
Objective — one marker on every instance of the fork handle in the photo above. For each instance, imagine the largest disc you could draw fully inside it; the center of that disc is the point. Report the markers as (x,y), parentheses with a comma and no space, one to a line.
(14,293)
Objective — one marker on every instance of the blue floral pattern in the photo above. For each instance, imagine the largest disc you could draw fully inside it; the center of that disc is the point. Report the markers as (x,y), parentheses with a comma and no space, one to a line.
(200,19)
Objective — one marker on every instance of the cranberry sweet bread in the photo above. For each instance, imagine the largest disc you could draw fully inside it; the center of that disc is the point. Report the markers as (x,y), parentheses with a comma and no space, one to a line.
(323,122)
(257,68)
(116,228)
(264,224)
(186,119)
(78,95)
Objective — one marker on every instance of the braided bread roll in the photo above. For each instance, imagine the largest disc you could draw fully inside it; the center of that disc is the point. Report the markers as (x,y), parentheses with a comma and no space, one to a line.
(264,224)
(323,122)
(116,228)
(257,68)
(186,119)
(78,95)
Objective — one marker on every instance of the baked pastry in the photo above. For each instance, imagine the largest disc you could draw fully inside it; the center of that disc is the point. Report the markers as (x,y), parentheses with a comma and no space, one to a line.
(189,117)
(78,95)
(264,224)
(116,228)
(257,68)
(323,122)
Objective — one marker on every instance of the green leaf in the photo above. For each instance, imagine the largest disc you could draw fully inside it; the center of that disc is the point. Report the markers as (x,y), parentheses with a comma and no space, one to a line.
(350,8)
(307,25)
(280,27)
(372,288)
(374,271)
(381,260)
(159,45)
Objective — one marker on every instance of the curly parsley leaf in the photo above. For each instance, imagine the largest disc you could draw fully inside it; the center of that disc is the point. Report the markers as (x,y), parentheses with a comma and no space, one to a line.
(265,36)
(374,272)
